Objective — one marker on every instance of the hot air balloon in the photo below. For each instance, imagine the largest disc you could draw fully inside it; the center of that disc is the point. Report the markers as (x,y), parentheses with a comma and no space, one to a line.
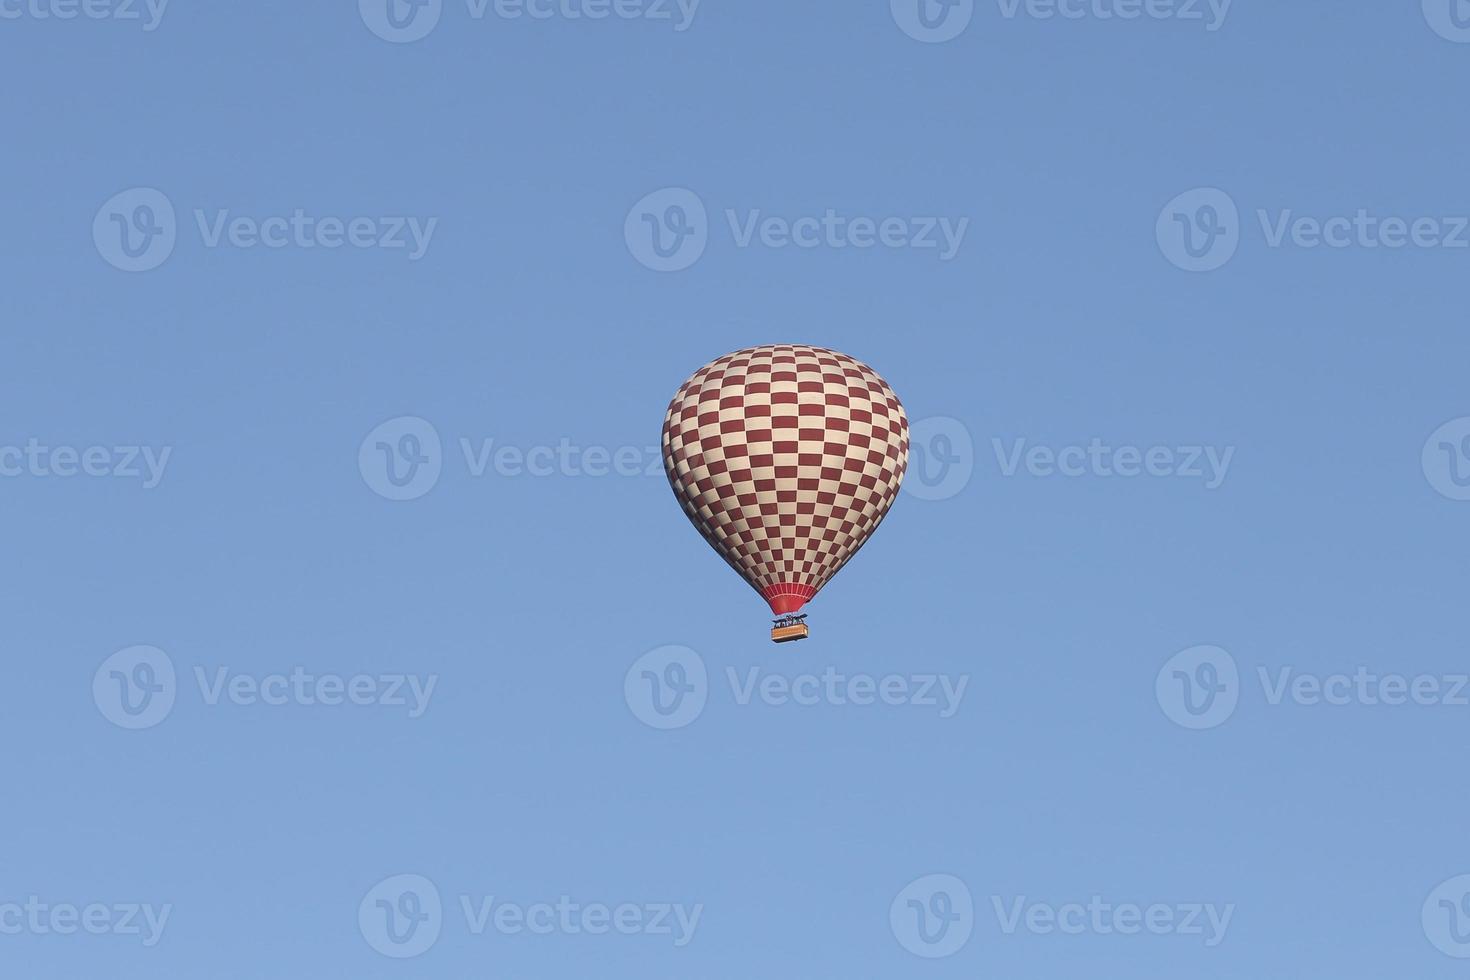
(785,458)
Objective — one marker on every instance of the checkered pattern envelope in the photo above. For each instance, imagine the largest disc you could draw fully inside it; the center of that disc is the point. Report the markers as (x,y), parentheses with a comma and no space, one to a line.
(786,457)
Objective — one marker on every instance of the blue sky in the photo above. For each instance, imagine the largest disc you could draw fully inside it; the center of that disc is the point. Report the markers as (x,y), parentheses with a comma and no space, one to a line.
(1155,667)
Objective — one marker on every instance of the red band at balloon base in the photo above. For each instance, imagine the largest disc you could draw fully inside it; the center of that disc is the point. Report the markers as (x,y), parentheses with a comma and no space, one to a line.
(787,597)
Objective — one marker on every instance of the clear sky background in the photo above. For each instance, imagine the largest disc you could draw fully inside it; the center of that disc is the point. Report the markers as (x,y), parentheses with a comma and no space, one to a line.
(531,319)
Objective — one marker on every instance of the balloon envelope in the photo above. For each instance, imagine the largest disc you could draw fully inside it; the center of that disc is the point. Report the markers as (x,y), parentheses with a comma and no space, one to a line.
(785,458)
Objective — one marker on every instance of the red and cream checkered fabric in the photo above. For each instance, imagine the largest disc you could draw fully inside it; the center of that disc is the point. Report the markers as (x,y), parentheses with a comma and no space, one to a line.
(786,457)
